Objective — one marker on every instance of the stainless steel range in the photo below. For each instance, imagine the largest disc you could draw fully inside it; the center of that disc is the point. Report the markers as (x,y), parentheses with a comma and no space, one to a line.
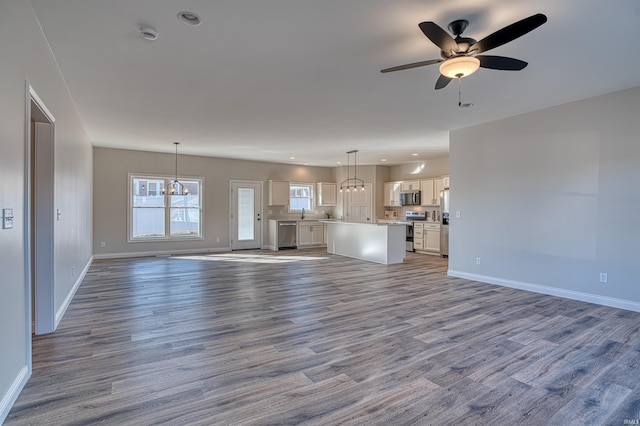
(410,217)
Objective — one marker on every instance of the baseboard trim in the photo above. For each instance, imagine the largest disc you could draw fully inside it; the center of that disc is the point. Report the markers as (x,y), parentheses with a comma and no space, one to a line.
(60,313)
(551,291)
(160,253)
(10,397)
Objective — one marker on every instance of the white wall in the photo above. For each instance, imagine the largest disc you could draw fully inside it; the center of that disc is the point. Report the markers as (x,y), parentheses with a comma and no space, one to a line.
(25,57)
(551,199)
(111,169)
(420,170)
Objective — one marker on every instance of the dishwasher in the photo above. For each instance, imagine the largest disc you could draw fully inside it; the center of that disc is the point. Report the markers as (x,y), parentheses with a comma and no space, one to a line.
(287,235)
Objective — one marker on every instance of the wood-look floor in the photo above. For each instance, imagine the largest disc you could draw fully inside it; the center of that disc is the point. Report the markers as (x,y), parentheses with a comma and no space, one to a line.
(305,337)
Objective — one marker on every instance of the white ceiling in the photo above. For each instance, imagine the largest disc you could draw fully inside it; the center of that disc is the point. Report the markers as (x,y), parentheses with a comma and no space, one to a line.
(267,80)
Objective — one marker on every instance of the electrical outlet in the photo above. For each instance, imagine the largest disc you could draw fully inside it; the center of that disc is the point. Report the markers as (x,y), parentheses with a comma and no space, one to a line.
(478,260)
(73,271)
(458,215)
(217,240)
(103,244)
(603,277)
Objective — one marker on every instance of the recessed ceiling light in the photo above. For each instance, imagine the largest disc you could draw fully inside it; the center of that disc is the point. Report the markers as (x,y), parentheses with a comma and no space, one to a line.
(149,33)
(338,162)
(292,158)
(306,164)
(189,18)
(415,154)
(383,159)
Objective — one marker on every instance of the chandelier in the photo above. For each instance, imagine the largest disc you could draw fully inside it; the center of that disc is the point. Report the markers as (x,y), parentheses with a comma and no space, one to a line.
(353,182)
(175,186)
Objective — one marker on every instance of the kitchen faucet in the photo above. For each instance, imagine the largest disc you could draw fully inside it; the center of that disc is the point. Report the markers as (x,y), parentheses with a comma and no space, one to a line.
(302,217)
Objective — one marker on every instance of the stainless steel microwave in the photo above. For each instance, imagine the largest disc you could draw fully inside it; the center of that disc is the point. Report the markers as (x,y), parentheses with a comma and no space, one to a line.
(410,198)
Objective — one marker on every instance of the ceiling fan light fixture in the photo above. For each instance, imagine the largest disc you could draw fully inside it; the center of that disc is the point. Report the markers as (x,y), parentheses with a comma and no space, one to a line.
(460,66)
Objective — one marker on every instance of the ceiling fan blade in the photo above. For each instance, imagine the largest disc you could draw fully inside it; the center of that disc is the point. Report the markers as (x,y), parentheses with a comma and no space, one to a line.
(413,65)
(439,37)
(501,63)
(508,33)
(442,81)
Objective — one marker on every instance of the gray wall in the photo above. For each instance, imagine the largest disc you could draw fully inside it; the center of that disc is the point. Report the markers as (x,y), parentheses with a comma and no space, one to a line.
(25,57)
(111,169)
(550,199)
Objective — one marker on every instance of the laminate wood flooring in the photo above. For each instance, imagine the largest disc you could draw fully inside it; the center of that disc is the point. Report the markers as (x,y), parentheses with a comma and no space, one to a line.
(306,337)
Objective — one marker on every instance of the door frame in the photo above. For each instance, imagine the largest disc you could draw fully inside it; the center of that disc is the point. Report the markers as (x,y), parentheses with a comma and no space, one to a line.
(259,210)
(39,240)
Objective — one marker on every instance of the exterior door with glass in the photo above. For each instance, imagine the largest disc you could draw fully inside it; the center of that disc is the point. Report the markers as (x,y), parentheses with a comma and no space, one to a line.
(246,215)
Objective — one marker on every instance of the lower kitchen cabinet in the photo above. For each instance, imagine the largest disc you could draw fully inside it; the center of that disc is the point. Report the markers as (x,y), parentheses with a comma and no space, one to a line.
(426,237)
(310,234)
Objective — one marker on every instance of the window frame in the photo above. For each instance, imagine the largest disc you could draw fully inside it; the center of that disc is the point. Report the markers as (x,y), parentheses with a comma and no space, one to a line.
(167,209)
(312,197)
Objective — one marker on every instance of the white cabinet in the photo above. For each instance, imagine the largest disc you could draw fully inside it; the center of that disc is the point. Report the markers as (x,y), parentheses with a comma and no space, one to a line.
(428,196)
(411,186)
(392,194)
(426,237)
(327,194)
(432,237)
(418,236)
(310,233)
(278,193)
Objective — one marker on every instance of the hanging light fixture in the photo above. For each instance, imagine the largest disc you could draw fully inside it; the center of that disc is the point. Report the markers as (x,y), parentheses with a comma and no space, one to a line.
(353,182)
(175,186)
(459,66)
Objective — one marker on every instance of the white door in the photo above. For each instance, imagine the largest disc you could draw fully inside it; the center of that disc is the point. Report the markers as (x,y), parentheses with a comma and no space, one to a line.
(357,204)
(246,214)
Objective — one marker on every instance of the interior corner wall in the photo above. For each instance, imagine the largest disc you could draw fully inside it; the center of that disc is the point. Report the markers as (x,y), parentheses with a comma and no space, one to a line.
(549,200)
(27,59)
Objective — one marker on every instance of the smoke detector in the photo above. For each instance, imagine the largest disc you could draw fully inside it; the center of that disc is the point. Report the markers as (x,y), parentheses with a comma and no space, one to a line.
(149,33)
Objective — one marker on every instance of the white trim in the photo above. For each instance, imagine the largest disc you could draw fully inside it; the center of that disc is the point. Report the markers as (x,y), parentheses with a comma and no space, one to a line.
(9,398)
(33,95)
(159,253)
(233,226)
(551,291)
(60,313)
(167,208)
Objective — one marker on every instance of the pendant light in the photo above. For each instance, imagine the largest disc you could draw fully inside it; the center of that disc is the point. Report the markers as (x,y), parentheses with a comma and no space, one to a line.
(175,186)
(353,182)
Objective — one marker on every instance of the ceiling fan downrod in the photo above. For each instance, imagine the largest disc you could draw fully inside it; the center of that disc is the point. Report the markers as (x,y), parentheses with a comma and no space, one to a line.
(460,104)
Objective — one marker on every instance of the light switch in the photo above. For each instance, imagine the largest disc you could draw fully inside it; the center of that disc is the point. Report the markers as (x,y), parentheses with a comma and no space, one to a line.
(7,218)
(58,214)
(458,215)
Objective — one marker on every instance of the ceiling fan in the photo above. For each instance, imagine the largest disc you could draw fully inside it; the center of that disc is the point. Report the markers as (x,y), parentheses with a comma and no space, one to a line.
(461,56)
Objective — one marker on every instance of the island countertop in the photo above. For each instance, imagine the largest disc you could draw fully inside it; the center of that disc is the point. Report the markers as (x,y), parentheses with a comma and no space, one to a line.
(374,242)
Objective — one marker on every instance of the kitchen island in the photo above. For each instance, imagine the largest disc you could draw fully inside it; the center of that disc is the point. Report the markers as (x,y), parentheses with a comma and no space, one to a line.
(379,243)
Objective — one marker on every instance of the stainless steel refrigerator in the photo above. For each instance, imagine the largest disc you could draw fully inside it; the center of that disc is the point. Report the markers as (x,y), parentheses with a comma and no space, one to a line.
(444,223)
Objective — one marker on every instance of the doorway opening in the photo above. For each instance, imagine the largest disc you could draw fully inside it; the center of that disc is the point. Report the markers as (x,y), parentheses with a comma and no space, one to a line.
(40,214)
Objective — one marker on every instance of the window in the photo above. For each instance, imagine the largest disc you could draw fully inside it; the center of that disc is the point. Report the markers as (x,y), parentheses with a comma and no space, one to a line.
(154,216)
(300,196)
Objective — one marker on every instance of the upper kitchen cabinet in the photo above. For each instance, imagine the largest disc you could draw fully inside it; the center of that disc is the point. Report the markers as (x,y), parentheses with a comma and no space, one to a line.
(327,194)
(392,194)
(278,193)
(429,196)
(411,186)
